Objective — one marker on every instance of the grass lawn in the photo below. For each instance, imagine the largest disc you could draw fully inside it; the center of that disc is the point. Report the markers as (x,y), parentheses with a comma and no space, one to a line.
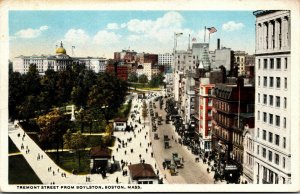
(20,172)
(69,161)
(12,147)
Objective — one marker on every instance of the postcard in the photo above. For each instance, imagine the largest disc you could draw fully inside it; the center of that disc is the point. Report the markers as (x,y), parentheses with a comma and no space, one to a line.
(140,96)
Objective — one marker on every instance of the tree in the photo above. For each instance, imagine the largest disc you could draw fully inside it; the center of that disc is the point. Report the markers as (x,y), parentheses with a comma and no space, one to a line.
(16,94)
(107,95)
(143,79)
(144,111)
(133,77)
(52,127)
(76,142)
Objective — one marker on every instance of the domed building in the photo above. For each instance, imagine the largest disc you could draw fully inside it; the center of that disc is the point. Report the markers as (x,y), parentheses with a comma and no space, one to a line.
(57,62)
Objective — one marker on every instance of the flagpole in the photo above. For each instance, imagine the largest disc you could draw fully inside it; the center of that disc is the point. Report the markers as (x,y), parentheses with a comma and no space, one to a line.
(204,33)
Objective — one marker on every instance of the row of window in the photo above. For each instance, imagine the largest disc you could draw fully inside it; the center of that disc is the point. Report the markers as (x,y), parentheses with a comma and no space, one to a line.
(272,138)
(271,82)
(271,100)
(272,63)
(270,121)
(272,157)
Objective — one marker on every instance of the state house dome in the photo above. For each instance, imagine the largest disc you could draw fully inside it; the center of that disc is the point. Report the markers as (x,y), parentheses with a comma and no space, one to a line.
(61,49)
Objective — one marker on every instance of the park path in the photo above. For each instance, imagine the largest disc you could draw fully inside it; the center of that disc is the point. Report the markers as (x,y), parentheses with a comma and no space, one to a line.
(41,166)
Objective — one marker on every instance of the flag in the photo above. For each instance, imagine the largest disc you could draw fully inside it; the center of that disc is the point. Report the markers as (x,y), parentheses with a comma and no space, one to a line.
(194,39)
(212,30)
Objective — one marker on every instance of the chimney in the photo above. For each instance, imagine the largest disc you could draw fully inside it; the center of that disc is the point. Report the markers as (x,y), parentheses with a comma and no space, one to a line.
(218,44)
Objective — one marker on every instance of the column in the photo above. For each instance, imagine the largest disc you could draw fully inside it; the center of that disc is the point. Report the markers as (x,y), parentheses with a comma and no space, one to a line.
(283,31)
(270,31)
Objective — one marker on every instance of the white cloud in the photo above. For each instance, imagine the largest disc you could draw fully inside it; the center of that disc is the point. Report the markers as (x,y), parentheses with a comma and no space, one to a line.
(123,25)
(232,25)
(112,26)
(31,33)
(76,36)
(105,38)
(161,29)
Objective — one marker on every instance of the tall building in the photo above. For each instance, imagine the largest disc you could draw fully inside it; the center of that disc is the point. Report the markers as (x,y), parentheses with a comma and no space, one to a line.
(231,104)
(272,159)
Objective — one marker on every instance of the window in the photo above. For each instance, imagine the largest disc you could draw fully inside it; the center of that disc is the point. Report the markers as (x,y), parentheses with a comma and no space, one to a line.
(270,156)
(209,112)
(271,119)
(258,97)
(284,142)
(284,122)
(258,115)
(278,63)
(277,101)
(277,120)
(265,81)
(277,159)
(271,63)
(271,82)
(271,100)
(285,63)
(285,83)
(265,99)
(258,80)
(257,132)
(264,152)
(265,63)
(283,162)
(257,149)
(277,82)
(270,137)
(277,140)
(265,117)
(264,135)
(258,63)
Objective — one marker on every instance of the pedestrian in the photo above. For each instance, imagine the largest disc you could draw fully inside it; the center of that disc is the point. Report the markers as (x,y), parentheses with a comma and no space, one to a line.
(19,135)
(58,170)
(140,144)
(22,146)
(145,136)
(151,154)
(157,172)
(53,173)
(41,156)
(125,152)
(117,149)
(117,180)
(140,156)
(146,150)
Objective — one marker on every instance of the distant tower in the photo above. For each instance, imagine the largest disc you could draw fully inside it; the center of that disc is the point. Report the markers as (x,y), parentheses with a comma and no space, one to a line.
(205,60)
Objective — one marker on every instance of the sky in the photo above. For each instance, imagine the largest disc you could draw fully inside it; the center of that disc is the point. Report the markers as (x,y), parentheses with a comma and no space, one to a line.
(100,33)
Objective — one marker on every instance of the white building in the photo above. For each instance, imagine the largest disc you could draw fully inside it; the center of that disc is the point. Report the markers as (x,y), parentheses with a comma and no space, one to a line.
(272,159)
(165,59)
(57,62)
(248,158)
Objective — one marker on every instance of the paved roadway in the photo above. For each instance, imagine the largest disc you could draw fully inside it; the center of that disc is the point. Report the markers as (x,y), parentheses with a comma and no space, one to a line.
(193,172)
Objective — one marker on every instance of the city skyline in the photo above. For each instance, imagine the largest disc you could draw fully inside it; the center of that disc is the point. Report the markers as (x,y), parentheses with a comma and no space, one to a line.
(100,33)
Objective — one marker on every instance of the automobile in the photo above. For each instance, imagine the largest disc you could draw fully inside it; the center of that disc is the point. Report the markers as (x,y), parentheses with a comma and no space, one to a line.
(159,122)
(176,160)
(156,136)
(167,163)
(173,170)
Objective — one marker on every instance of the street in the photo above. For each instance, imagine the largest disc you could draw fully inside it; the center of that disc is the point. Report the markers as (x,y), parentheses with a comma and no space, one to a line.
(193,172)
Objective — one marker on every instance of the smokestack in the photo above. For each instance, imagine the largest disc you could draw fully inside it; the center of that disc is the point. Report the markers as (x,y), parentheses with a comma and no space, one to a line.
(218,44)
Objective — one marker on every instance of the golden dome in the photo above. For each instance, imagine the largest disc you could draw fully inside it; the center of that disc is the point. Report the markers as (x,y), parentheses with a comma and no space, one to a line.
(61,50)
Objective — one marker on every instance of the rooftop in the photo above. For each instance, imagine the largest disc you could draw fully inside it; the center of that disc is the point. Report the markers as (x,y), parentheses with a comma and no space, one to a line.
(141,170)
